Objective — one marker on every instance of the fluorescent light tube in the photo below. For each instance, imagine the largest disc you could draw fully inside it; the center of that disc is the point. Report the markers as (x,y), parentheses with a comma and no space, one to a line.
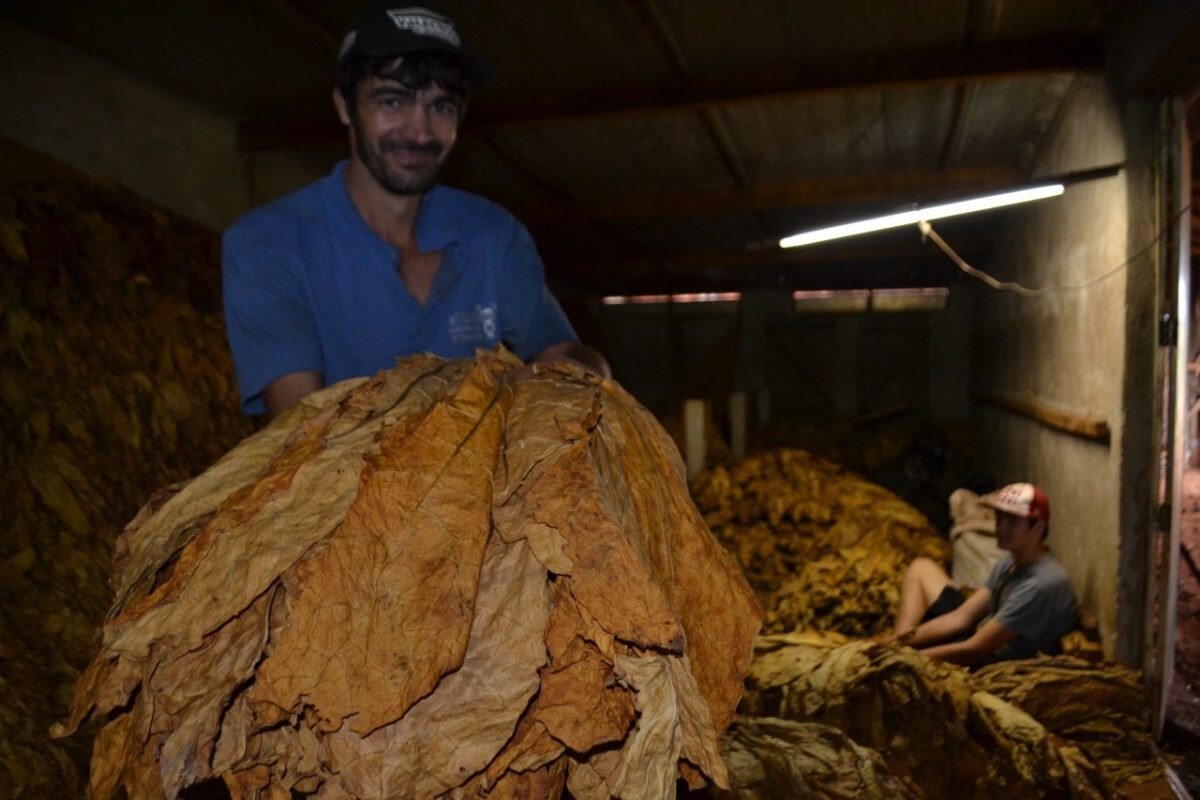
(926,214)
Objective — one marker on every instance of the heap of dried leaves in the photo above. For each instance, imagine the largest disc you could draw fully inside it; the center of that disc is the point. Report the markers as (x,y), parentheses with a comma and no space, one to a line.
(442,579)
(823,547)
(777,759)
(114,380)
(1100,708)
(1037,728)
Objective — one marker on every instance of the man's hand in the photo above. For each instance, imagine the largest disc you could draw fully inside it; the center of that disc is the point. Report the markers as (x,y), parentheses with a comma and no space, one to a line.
(886,639)
(990,637)
(587,357)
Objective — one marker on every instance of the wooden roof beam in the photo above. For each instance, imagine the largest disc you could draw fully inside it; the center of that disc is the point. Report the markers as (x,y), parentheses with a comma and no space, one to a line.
(949,65)
(814,192)
(767,257)
(952,64)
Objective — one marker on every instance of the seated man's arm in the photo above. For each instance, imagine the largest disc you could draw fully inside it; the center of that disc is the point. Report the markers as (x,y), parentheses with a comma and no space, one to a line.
(581,354)
(990,637)
(287,390)
(951,624)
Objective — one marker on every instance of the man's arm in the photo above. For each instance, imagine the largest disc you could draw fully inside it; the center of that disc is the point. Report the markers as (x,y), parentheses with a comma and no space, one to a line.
(587,357)
(990,637)
(272,333)
(951,624)
(287,390)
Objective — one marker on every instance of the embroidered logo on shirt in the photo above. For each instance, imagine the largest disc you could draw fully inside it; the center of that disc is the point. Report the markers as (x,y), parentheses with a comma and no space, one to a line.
(478,324)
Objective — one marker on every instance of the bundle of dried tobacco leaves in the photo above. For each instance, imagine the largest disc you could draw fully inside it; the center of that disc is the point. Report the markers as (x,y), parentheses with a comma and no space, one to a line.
(440,580)
(776,759)
(924,717)
(1099,707)
(114,380)
(823,547)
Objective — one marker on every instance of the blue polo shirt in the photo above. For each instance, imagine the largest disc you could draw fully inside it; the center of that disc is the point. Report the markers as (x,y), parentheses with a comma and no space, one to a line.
(309,286)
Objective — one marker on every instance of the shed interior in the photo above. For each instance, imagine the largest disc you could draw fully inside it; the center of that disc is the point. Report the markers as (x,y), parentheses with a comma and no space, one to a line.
(658,150)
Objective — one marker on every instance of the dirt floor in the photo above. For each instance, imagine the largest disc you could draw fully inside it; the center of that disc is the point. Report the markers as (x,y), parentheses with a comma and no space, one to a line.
(1181,736)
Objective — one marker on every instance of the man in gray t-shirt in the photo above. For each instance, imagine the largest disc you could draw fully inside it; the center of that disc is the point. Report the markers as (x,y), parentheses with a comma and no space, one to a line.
(1025,609)
(1036,601)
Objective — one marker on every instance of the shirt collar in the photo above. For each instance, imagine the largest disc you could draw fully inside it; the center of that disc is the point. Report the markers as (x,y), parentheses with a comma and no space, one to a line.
(436,224)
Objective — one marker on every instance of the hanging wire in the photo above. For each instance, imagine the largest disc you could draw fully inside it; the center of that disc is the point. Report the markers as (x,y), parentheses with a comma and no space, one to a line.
(928,232)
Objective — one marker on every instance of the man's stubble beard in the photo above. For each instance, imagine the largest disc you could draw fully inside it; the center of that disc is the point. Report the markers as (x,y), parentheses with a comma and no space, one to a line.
(397,183)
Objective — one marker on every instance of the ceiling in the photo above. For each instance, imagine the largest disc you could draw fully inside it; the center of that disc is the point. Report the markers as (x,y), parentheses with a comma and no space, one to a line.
(658,145)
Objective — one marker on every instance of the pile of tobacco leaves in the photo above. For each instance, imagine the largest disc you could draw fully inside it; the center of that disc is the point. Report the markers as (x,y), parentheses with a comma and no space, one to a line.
(822,546)
(1045,727)
(825,716)
(114,380)
(449,579)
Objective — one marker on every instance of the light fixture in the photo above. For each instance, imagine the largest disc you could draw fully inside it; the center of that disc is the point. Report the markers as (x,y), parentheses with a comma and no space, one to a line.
(1039,192)
(663,299)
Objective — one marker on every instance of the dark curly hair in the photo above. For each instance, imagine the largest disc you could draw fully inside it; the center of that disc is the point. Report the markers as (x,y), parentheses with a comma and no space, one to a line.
(416,71)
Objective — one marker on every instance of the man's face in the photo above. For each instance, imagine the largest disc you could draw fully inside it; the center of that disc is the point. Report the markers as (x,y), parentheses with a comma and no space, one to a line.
(1015,532)
(403,136)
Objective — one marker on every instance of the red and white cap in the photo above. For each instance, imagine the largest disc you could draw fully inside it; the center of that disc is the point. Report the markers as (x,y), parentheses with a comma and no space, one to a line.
(1022,499)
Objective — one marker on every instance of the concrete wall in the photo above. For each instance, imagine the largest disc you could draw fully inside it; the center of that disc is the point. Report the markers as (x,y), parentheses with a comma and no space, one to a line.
(112,124)
(1080,351)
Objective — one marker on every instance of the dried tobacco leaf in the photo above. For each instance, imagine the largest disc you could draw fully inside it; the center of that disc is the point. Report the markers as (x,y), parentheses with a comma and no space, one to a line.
(377,640)
(1026,760)
(777,759)
(922,716)
(1100,708)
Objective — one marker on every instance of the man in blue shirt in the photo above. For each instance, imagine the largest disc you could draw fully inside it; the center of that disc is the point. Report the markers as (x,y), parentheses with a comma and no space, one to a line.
(376,260)
(1025,609)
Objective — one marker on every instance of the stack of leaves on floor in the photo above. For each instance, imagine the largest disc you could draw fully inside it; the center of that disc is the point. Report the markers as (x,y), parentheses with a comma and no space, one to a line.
(115,379)
(777,759)
(823,547)
(1098,707)
(941,727)
(442,579)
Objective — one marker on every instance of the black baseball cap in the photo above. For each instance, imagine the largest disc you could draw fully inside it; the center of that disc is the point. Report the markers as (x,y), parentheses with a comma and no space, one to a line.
(382,32)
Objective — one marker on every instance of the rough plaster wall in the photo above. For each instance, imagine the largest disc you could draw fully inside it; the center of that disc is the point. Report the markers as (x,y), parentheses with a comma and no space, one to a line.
(1068,348)
(117,126)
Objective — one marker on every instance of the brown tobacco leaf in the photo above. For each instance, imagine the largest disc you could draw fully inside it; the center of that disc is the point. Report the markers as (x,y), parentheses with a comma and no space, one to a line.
(322,458)
(543,407)
(609,577)
(192,689)
(551,496)
(544,782)
(457,730)
(719,611)
(569,623)
(775,759)
(669,712)
(1098,707)
(570,633)
(580,704)
(408,555)
(114,747)
(924,717)
(1026,761)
